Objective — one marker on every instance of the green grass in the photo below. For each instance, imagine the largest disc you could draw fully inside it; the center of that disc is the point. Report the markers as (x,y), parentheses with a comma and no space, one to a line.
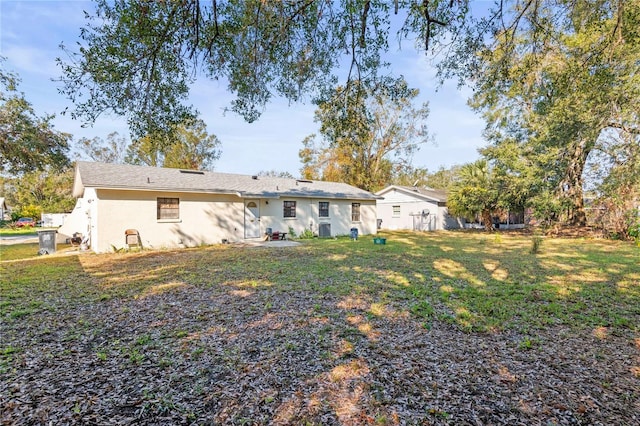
(473,280)
(27,230)
(24,251)
(18,251)
(187,333)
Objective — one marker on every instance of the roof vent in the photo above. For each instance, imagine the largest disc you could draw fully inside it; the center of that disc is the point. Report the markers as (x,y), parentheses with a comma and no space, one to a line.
(254,177)
(192,172)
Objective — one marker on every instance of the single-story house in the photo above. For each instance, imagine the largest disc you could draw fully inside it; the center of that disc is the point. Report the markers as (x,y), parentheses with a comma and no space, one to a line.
(162,207)
(418,209)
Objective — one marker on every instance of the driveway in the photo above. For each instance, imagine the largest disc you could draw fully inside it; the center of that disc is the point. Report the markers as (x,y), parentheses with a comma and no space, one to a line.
(18,239)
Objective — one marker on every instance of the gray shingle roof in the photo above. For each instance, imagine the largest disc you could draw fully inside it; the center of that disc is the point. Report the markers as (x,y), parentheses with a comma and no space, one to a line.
(125,176)
(435,194)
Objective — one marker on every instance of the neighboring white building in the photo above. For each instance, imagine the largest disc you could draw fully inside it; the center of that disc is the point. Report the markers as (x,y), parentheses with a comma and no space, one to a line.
(4,210)
(53,220)
(418,209)
(176,208)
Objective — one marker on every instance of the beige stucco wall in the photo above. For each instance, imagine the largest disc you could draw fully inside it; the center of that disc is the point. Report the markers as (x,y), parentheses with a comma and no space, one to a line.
(204,219)
(208,218)
(307,216)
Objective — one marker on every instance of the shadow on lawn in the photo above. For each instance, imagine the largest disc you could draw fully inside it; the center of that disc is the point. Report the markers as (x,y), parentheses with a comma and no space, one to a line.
(334,331)
(478,282)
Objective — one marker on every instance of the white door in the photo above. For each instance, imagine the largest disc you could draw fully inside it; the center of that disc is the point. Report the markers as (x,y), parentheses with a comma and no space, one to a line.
(251,219)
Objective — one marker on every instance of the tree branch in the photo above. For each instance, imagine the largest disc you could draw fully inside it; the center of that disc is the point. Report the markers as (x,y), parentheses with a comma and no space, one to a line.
(430,21)
(363,28)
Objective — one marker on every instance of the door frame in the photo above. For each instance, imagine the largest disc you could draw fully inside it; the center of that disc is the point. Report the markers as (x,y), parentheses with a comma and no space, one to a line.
(252,221)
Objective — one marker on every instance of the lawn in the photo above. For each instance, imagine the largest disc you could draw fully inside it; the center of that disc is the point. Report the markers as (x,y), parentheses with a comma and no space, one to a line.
(436,328)
(27,230)
(28,250)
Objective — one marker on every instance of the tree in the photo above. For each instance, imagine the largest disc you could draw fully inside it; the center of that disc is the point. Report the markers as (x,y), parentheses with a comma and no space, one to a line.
(147,150)
(113,150)
(442,179)
(481,191)
(193,148)
(188,146)
(275,173)
(411,176)
(552,84)
(138,58)
(366,135)
(615,168)
(47,190)
(27,142)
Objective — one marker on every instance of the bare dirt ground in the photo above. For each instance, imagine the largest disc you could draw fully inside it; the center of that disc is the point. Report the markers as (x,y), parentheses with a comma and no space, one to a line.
(208,344)
(204,356)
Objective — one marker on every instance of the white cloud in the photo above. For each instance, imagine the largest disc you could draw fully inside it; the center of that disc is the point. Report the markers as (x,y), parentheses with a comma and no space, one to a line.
(31,60)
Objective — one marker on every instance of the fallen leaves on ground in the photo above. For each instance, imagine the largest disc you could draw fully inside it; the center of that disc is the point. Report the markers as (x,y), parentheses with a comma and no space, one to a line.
(217,349)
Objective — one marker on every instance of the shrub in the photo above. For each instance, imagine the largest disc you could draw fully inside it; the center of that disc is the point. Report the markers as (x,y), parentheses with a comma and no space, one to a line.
(307,234)
(536,244)
(29,210)
(634,232)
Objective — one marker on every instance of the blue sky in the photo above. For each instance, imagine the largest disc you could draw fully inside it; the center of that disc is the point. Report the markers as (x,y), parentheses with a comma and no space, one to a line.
(31,32)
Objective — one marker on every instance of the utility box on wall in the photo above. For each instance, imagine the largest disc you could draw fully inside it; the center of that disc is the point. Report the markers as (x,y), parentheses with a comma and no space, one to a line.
(324,230)
(132,238)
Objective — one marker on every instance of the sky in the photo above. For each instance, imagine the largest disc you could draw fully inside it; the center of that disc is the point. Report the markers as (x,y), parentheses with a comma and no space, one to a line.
(31,32)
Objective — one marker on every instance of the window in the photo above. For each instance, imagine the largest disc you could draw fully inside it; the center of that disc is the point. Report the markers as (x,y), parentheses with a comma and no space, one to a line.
(324,209)
(355,212)
(289,209)
(396,211)
(168,208)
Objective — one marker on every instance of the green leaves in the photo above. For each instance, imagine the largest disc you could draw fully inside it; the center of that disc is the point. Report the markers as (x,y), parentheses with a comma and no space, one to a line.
(550,87)
(482,191)
(46,191)
(187,146)
(27,142)
(134,58)
(368,134)
(139,58)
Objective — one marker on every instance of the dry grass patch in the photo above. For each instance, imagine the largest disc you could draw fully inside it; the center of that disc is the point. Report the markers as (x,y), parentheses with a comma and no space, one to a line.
(442,328)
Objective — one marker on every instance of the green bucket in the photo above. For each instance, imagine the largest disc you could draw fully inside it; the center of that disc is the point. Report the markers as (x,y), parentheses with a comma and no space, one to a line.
(380,241)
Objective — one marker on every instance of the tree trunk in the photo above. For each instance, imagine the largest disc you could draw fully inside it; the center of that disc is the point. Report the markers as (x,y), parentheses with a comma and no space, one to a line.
(577,215)
(571,185)
(487,220)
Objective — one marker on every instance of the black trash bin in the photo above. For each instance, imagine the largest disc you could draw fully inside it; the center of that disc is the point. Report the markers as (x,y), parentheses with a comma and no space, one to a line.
(354,233)
(47,241)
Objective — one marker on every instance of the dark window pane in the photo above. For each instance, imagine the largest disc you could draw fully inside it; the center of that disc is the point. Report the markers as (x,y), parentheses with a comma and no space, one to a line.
(324,209)
(168,208)
(289,209)
(355,212)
